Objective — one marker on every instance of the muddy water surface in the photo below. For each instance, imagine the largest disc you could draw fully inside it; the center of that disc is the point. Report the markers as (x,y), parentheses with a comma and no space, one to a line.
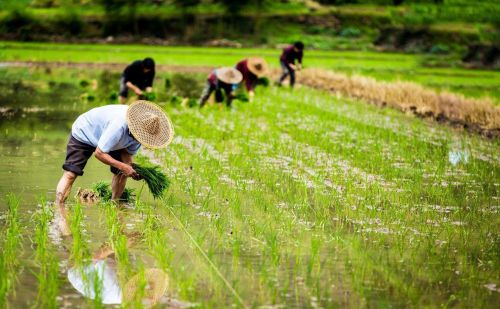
(33,137)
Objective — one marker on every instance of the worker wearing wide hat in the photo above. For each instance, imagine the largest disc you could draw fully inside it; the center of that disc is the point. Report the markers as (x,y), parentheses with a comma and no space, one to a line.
(252,69)
(222,79)
(114,134)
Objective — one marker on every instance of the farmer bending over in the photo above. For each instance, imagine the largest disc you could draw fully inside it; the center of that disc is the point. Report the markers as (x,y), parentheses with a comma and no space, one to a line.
(114,133)
(138,76)
(252,69)
(287,61)
(221,79)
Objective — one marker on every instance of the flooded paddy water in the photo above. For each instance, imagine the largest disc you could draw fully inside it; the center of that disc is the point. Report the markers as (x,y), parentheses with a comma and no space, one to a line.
(300,199)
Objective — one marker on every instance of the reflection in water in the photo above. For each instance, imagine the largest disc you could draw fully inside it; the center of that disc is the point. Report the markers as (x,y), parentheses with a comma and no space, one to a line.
(83,278)
(457,156)
(99,278)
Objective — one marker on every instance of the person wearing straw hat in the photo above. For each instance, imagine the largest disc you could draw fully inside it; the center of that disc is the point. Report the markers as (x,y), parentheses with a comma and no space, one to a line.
(287,61)
(114,134)
(252,69)
(138,77)
(226,79)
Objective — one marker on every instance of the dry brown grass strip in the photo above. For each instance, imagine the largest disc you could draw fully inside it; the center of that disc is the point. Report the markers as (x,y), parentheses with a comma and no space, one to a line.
(477,114)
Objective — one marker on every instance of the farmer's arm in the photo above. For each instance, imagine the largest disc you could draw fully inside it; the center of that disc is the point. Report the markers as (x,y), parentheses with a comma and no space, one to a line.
(299,58)
(149,81)
(134,88)
(108,160)
(108,140)
(251,84)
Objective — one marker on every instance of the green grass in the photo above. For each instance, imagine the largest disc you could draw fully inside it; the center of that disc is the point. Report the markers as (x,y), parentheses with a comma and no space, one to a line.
(46,259)
(10,248)
(321,187)
(300,199)
(385,66)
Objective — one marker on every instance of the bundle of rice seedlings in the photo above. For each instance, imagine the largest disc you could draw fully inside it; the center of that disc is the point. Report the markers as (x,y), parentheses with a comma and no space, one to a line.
(156,180)
(103,189)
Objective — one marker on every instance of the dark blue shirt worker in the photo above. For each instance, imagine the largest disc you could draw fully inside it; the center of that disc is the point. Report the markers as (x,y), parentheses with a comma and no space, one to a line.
(138,77)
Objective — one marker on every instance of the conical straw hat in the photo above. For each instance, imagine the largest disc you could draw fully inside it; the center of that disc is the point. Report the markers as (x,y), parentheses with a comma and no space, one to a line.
(156,286)
(257,66)
(149,124)
(229,75)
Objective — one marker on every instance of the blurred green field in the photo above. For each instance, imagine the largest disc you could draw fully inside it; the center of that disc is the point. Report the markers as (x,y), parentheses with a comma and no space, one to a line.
(384,66)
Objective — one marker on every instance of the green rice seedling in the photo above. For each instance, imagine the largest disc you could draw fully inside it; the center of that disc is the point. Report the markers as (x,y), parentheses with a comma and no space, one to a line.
(192,102)
(79,249)
(176,100)
(48,276)
(149,96)
(243,97)
(117,240)
(97,286)
(156,180)
(263,81)
(113,96)
(11,246)
(103,189)
(84,83)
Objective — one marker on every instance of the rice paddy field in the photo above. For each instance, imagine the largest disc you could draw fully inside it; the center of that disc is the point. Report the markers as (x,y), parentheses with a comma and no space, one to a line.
(300,199)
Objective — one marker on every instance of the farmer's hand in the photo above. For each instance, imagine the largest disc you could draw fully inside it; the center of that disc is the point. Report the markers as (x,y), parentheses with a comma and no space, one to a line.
(292,66)
(138,91)
(251,94)
(129,171)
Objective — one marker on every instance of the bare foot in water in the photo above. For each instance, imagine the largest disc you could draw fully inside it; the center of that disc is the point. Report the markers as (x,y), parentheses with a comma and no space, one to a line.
(61,219)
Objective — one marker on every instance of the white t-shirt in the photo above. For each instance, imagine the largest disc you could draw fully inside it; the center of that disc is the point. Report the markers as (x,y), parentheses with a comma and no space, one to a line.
(105,127)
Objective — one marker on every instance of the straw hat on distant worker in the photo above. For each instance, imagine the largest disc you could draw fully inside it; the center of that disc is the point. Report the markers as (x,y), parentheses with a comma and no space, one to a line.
(257,66)
(229,75)
(149,124)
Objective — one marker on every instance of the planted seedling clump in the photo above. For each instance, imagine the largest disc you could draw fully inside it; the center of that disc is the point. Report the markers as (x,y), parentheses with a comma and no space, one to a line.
(243,97)
(263,81)
(102,190)
(149,96)
(156,180)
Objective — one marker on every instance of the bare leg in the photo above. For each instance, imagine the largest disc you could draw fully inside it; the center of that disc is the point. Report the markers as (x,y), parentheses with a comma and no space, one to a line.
(119,180)
(206,94)
(117,186)
(62,192)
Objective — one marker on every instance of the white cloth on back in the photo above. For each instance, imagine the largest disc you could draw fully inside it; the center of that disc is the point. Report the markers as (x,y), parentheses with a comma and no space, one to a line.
(105,127)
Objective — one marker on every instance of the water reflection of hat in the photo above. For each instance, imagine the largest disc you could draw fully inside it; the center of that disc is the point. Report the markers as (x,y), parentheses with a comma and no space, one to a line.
(83,278)
(156,282)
